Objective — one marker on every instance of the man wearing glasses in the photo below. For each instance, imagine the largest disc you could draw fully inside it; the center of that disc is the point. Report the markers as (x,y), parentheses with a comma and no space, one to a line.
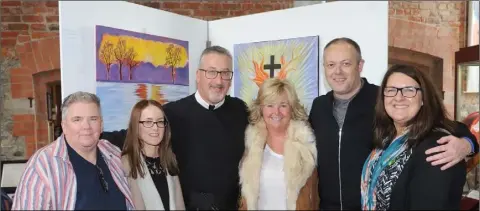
(207,135)
(77,171)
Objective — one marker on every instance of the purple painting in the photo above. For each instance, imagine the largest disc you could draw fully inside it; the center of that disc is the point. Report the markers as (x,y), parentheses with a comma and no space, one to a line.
(132,57)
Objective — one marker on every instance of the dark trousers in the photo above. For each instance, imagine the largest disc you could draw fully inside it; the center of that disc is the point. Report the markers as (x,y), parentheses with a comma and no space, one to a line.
(209,201)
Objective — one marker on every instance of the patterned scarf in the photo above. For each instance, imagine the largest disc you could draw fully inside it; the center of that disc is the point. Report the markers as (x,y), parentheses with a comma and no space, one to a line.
(377,162)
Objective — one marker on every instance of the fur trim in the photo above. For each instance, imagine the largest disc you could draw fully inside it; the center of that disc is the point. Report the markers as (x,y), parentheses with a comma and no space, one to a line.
(300,156)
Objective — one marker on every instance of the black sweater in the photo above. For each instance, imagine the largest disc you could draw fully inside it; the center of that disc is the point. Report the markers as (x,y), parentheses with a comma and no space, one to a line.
(342,153)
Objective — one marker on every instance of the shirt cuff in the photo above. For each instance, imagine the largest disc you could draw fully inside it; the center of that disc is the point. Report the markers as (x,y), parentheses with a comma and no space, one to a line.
(471,145)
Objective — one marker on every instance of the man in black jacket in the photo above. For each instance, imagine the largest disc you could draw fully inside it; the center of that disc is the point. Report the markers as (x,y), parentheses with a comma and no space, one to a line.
(343,125)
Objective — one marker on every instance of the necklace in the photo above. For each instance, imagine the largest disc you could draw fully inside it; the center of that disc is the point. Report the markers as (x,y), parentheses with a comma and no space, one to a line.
(153,165)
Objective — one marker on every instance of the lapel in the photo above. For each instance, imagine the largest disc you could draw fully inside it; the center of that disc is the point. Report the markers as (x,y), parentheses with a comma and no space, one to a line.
(63,195)
(300,157)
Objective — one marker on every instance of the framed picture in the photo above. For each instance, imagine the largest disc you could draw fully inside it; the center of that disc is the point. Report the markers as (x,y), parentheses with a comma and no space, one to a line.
(11,172)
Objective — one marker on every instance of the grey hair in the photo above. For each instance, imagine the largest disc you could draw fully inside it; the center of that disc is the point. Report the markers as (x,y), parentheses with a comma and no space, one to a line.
(79,96)
(215,49)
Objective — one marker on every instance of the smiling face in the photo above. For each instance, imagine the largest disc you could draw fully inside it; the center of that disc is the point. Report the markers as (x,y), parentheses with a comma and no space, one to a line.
(342,69)
(149,132)
(277,113)
(82,124)
(402,109)
(213,90)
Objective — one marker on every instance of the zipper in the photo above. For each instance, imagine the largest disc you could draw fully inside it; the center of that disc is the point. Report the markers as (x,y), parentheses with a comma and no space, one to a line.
(339,166)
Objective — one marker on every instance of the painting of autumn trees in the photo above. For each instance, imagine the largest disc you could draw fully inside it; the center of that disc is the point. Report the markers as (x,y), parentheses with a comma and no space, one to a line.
(132,66)
(110,54)
(125,56)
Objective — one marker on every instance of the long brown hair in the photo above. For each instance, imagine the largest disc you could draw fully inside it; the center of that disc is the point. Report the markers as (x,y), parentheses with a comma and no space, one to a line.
(432,113)
(133,144)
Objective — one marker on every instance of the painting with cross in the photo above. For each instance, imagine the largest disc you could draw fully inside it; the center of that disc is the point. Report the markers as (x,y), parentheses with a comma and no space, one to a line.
(294,59)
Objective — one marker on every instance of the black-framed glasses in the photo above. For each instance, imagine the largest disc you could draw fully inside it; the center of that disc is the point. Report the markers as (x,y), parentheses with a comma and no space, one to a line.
(149,124)
(408,91)
(211,74)
(103,182)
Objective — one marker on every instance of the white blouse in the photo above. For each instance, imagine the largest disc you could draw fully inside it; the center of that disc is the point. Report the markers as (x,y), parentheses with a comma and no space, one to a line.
(272,193)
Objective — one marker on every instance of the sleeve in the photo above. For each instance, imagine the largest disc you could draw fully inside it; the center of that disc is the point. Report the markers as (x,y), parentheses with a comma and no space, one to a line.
(32,193)
(312,110)
(433,189)
(462,131)
(117,137)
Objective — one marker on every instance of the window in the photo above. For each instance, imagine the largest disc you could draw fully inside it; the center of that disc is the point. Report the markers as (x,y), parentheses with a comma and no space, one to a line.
(473,23)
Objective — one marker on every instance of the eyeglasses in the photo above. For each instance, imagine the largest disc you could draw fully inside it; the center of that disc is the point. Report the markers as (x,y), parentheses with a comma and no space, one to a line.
(149,124)
(211,74)
(102,179)
(408,91)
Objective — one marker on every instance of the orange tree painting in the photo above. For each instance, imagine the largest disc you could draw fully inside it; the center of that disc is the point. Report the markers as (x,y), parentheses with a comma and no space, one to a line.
(292,59)
(131,66)
(125,56)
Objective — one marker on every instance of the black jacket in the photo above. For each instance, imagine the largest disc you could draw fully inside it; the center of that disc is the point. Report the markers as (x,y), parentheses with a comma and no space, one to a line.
(342,152)
(422,186)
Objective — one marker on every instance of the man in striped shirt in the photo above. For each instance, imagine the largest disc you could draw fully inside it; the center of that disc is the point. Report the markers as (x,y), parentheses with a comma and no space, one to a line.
(77,171)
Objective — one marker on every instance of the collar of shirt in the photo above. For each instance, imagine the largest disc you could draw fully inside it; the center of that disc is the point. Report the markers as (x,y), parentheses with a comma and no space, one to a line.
(204,103)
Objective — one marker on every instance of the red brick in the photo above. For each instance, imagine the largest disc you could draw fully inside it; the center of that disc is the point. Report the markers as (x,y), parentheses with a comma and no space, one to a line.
(52,4)
(203,13)
(38,27)
(221,13)
(23,117)
(247,6)
(11,18)
(10,11)
(183,12)
(192,5)
(25,48)
(52,18)
(17,26)
(37,35)
(211,6)
(8,42)
(24,38)
(230,6)
(10,3)
(33,3)
(8,34)
(33,18)
(172,5)
(41,9)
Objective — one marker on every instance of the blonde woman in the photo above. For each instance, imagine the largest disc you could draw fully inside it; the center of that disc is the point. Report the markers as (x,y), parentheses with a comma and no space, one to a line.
(278,170)
(149,161)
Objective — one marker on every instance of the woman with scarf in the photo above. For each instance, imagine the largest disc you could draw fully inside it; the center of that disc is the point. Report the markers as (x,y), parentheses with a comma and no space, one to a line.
(410,118)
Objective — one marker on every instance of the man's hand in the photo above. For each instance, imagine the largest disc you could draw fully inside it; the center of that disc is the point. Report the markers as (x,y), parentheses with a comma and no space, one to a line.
(452,151)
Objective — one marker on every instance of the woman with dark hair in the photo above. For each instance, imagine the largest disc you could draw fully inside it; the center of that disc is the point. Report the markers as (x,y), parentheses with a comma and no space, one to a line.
(409,119)
(149,160)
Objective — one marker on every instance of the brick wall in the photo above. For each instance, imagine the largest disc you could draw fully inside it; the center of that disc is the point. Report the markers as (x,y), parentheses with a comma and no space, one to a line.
(29,34)
(212,10)
(437,28)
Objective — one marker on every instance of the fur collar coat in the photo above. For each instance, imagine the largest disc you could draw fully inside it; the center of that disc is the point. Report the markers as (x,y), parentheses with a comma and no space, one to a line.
(300,155)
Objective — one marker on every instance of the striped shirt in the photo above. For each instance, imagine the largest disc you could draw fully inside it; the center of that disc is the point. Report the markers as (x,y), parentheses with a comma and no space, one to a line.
(49,181)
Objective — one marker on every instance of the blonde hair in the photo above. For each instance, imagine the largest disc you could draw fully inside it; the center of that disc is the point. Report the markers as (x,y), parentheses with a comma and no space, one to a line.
(269,91)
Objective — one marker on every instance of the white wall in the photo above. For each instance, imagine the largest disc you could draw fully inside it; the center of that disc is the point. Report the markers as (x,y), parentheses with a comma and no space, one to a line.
(364,22)
(77,36)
